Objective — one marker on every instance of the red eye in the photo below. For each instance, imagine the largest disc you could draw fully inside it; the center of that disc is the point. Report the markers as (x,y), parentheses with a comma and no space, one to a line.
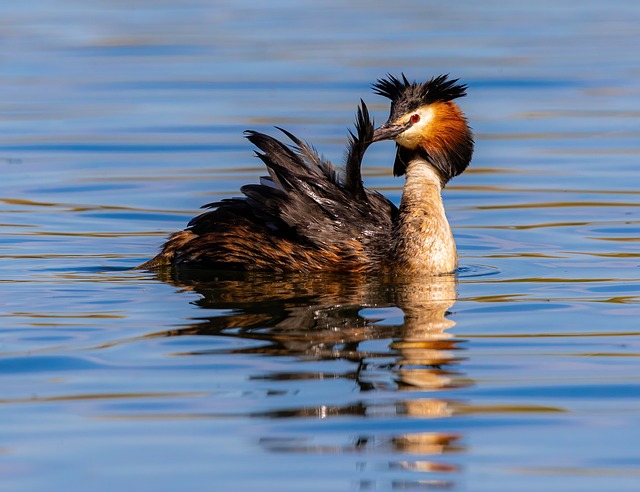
(415,118)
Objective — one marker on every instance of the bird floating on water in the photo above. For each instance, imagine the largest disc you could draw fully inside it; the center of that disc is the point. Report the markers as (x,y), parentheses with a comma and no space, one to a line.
(304,216)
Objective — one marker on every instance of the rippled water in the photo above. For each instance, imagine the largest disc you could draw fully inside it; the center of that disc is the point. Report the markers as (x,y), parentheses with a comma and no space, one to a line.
(119,119)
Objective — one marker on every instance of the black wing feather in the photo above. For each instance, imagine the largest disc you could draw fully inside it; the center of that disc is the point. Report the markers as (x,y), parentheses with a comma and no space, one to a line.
(301,203)
(357,147)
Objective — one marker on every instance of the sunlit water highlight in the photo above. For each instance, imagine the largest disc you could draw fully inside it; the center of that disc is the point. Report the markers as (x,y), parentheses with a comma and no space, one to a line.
(520,372)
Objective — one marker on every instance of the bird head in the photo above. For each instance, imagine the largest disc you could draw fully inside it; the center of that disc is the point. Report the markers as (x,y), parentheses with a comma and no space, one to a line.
(424,120)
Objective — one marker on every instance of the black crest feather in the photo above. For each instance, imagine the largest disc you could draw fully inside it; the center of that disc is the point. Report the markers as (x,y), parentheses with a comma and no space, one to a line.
(408,96)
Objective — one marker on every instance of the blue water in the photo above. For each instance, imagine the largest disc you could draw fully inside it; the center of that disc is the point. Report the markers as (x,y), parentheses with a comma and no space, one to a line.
(118,120)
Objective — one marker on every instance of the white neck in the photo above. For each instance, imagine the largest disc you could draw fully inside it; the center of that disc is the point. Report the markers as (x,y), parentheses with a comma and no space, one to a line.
(424,242)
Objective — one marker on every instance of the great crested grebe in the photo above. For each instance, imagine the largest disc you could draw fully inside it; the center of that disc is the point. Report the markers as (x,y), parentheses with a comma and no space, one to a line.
(305,217)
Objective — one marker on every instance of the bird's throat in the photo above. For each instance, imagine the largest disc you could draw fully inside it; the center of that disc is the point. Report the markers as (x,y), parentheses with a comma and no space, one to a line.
(423,239)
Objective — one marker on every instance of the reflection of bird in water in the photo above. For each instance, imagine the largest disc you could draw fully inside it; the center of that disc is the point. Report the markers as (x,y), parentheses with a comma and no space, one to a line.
(340,328)
(303,217)
(320,316)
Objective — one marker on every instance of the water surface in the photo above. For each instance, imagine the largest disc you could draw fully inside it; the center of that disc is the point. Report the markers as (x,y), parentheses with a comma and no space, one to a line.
(118,120)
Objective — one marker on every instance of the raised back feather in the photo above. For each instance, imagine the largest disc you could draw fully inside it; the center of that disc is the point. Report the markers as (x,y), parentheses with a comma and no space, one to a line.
(358,145)
(299,217)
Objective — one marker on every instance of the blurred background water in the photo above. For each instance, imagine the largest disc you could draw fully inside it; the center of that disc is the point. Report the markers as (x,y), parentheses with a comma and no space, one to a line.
(119,119)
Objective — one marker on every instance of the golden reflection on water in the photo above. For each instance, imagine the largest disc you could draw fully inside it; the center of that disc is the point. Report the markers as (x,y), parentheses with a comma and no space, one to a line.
(555,204)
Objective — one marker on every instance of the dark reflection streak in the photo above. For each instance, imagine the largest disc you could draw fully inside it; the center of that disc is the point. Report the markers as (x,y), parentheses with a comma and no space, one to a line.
(424,444)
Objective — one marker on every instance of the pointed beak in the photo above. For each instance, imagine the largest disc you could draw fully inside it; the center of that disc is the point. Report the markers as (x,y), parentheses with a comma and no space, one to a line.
(388,131)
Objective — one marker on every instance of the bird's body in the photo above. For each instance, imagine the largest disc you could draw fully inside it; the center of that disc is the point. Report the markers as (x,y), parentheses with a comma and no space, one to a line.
(305,217)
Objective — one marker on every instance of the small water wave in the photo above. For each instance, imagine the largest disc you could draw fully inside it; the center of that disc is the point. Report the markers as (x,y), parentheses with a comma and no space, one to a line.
(472,271)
